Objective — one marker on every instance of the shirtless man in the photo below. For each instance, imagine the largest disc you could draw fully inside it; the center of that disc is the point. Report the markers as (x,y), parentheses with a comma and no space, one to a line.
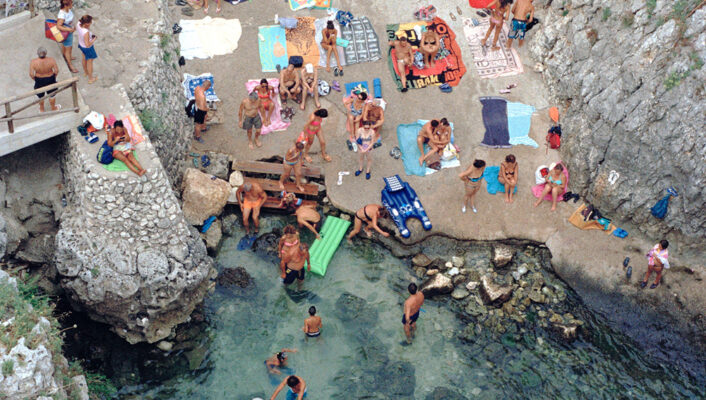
(429,47)
(310,82)
(425,135)
(520,12)
(411,311)
(439,140)
(312,325)
(251,197)
(289,84)
(405,58)
(292,264)
(373,112)
(251,108)
(297,388)
(370,215)
(328,43)
(43,71)
(278,360)
(201,110)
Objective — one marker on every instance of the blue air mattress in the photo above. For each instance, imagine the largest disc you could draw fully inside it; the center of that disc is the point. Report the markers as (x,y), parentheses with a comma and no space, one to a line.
(402,203)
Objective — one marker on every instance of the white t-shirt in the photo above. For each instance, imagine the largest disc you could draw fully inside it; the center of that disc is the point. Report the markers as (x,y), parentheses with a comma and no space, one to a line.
(81,35)
(67,16)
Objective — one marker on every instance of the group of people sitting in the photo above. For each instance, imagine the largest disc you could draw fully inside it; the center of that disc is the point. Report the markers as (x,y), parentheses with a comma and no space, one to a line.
(437,135)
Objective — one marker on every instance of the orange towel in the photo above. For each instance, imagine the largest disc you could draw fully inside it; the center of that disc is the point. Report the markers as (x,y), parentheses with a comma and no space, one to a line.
(134,129)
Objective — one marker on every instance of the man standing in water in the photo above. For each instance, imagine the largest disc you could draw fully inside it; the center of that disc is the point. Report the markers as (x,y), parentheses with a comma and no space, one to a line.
(292,264)
(201,110)
(297,388)
(411,311)
(251,197)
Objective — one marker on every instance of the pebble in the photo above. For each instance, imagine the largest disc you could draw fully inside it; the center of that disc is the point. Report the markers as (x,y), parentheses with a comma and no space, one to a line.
(453,271)
(460,293)
(472,285)
(432,272)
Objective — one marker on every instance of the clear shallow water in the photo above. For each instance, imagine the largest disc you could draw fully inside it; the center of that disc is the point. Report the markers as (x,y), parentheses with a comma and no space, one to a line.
(360,353)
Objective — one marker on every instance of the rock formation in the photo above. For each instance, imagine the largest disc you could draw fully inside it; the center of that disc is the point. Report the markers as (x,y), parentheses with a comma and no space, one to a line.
(203,196)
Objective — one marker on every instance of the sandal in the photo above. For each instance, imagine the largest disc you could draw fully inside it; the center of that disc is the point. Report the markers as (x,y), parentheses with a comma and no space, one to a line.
(654,285)
(626,261)
(481,14)
(358,172)
(367,175)
(196,162)
(643,284)
(205,161)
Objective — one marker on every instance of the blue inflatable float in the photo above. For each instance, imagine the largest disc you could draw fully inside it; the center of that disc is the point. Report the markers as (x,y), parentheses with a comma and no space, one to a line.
(402,203)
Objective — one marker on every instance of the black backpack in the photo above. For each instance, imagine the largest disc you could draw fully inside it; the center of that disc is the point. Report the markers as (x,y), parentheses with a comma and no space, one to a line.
(190,108)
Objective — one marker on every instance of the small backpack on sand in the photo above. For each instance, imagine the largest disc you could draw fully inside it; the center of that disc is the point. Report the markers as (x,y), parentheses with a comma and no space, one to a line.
(553,138)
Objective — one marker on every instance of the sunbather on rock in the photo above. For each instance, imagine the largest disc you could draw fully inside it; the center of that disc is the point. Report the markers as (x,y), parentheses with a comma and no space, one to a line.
(266,92)
(429,47)
(438,140)
(472,180)
(374,113)
(354,105)
(405,58)
(370,215)
(249,117)
(509,171)
(425,134)
(500,11)
(328,42)
(310,82)
(311,131)
(290,84)
(119,140)
(293,161)
(556,184)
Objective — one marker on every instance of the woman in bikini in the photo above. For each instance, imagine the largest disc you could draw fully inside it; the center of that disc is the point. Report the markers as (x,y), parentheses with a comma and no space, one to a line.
(307,216)
(556,185)
(293,160)
(354,106)
(365,137)
(472,181)
(328,43)
(370,215)
(313,130)
(430,47)
(119,140)
(508,176)
(265,92)
(310,81)
(500,11)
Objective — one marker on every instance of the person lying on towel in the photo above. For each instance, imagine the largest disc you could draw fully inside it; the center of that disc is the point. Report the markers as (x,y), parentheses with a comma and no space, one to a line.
(405,58)
(439,139)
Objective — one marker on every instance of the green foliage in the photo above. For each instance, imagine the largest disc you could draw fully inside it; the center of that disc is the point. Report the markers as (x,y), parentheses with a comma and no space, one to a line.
(148,119)
(95,271)
(682,8)
(651,5)
(565,13)
(99,386)
(606,14)
(166,57)
(676,77)
(8,367)
(163,41)
(696,60)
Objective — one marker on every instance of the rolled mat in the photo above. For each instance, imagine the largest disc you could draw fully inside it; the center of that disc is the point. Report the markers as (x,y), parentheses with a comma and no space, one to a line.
(322,250)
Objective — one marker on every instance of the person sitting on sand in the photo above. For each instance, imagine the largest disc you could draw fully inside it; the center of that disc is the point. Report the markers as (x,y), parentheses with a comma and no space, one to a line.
(288,241)
(366,138)
(405,58)
(556,185)
(43,71)
(328,43)
(266,92)
(657,260)
(293,161)
(370,215)
(307,216)
(251,197)
(472,180)
(278,360)
(424,135)
(499,12)
(290,84)
(509,171)
(429,47)
(312,325)
(292,264)
(297,388)
(438,141)
(251,108)
(310,82)
(354,105)
(411,311)
(119,140)
(374,113)
(314,130)
(523,14)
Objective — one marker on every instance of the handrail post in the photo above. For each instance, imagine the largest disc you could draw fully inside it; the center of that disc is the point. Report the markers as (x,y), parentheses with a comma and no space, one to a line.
(10,123)
(31,8)
(74,94)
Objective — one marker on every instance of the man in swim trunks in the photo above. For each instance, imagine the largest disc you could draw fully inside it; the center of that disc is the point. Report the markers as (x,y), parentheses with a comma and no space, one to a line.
(297,388)
(405,58)
(289,84)
(411,311)
(310,82)
(251,197)
(292,264)
(201,109)
(523,14)
(279,360)
(425,135)
(252,108)
(312,325)
(43,71)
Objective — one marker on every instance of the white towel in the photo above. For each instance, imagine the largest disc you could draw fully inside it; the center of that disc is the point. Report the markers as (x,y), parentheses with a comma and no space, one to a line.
(209,37)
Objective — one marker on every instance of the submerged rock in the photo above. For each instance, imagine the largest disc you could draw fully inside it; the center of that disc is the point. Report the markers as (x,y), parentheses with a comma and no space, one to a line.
(494,293)
(457,261)
(421,260)
(266,244)
(502,255)
(237,276)
(460,293)
(353,309)
(568,332)
(443,393)
(475,307)
(437,284)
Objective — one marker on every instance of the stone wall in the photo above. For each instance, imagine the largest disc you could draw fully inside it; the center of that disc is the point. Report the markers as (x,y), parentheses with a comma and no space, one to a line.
(629,79)
(158,96)
(125,253)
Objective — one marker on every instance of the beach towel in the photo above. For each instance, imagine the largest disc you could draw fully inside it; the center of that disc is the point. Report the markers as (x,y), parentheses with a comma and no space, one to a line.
(363,41)
(276,123)
(407,139)
(493,185)
(350,86)
(208,37)
(448,68)
(301,4)
(273,49)
(134,128)
(537,189)
(117,165)
(576,219)
(320,25)
(489,63)
(191,81)
(300,41)
(519,118)
(496,122)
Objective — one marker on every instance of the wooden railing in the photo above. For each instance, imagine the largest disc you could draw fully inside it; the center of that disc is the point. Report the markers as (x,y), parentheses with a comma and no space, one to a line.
(10,117)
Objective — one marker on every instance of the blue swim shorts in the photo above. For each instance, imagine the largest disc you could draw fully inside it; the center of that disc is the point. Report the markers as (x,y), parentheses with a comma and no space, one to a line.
(518,29)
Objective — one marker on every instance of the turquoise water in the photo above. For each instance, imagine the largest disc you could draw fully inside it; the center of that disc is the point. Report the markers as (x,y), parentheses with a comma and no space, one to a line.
(361,353)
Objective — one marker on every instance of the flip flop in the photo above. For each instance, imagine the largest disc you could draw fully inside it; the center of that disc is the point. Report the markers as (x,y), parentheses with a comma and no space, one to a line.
(453,17)
(188,11)
(367,175)
(643,284)
(192,154)
(481,14)
(475,22)
(205,161)
(628,273)
(654,285)
(176,29)
(626,262)
(196,162)
(180,3)
(458,10)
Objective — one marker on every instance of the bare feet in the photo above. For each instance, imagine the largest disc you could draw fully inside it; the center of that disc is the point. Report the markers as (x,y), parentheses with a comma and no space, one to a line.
(218,10)
(553,207)
(326,157)
(482,42)
(251,146)
(537,203)
(92,80)
(495,48)
(318,236)
(301,107)
(299,187)
(367,232)
(328,68)
(308,159)
(258,143)
(205,10)
(281,185)
(73,70)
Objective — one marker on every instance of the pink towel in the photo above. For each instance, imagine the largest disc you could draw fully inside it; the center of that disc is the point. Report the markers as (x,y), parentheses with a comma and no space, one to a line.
(134,129)
(276,124)
(537,189)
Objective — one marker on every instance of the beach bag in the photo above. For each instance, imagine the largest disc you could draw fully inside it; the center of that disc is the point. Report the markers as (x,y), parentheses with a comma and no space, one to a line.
(344,17)
(105,154)
(52,32)
(541,174)
(659,210)
(190,108)
(297,61)
(554,137)
(449,153)
(288,23)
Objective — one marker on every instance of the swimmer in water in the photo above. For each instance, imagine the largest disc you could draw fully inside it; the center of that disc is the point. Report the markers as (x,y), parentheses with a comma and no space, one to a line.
(312,325)
(278,360)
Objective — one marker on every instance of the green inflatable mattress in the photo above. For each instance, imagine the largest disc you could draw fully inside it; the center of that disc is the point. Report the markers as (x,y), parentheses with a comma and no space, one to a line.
(321,252)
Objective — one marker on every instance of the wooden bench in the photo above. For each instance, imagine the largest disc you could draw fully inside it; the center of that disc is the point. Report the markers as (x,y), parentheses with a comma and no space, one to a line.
(270,185)
(273,202)
(274,168)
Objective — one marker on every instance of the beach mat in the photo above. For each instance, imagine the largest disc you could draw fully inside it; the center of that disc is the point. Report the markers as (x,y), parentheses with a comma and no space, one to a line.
(488,63)
(320,25)
(350,86)
(300,41)
(196,39)
(364,45)
(449,67)
(191,81)
(493,185)
(276,123)
(496,123)
(537,189)
(322,250)
(117,165)
(519,119)
(407,140)
(273,50)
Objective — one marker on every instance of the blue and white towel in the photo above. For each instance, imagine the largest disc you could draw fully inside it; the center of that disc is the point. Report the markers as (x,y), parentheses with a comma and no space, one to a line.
(519,118)
(191,81)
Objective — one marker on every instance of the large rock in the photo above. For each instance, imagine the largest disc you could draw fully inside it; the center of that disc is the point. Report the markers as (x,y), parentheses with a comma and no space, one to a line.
(237,276)
(437,284)
(443,393)
(421,260)
(502,255)
(354,309)
(494,293)
(202,196)
(220,165)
